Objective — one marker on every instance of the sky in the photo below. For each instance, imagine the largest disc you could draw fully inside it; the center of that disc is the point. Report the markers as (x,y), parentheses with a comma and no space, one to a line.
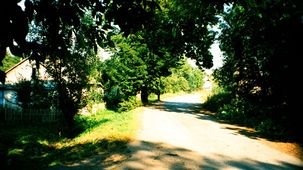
(217,55)
(21,4)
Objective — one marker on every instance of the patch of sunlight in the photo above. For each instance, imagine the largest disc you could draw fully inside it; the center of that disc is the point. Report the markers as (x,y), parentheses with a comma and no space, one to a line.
(121,127)
(24,139)
(54,163)
(45,155)
(102,138)
(15,151)
(57,145)
(43,142)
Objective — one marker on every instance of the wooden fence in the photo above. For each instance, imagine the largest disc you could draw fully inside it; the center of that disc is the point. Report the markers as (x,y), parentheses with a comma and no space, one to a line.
(30,115)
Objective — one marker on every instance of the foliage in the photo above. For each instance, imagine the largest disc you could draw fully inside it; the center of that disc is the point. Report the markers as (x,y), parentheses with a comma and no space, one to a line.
(14,28)
(241,111)
(68,64)
(64,35)
(186,78)
(258,40)
(134,67)
(60,21)
(175,84)
(9,62)
(216,101)
(113,98)
(258,60)
(60,32)
(189,26)
(124,73)
(129,104)
(32,94)
(92,95)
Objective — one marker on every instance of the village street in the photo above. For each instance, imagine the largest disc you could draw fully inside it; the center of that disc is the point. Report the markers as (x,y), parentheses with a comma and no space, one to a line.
(177,135)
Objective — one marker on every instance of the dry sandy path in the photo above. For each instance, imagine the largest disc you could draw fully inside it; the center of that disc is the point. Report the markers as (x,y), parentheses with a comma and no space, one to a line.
(175,135)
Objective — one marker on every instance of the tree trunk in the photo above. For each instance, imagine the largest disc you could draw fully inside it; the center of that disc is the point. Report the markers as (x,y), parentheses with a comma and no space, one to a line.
(158,95)
(68,109)
(144,95)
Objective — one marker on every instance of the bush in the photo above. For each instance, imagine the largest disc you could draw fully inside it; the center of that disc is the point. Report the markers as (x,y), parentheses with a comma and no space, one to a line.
(33,94)
(93,95)
(235,109)
(129,104)
(112,98)
(270,128)
(217,101)
(174,84)
(116,100)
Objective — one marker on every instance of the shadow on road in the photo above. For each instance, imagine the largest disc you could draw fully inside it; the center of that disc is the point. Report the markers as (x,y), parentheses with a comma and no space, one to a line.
(172,157)
(169,157)
(187,108)
(199,112)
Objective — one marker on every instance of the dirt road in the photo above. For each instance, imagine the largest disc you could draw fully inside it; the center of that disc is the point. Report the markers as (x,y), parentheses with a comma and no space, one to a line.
(176,135)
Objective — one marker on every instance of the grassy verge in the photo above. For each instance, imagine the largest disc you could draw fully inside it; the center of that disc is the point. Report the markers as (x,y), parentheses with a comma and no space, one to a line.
(41,146)
(205,93)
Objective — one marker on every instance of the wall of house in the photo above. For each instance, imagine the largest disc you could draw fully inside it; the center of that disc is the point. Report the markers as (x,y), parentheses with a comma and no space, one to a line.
(24,71)
(21,72)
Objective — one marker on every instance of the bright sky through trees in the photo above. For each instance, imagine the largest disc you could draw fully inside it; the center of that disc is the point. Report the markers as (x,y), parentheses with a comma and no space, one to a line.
(217,57)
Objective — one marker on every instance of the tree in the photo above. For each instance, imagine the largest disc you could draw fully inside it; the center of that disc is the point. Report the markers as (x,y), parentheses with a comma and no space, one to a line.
(135,67)
(14,28)
(189,23)
(173,31)
(185,78)
(66,48)
(9,62)
(124,73)
(65,34)
(17,23)
(259,44)
(70,65)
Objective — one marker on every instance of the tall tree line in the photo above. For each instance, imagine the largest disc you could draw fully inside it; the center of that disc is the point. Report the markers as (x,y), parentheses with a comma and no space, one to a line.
(261,50)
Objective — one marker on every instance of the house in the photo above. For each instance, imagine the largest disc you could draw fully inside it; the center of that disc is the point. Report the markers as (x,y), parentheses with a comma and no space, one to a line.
(10,109)
(24,70)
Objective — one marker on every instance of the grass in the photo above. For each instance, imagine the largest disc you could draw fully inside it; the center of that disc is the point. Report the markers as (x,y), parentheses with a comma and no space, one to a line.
(41,146)
(153,97)
(205,93)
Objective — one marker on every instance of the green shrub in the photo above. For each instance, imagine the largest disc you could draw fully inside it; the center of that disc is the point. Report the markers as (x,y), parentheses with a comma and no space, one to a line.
(270,128)
(217,101)
(175,84)
(85,123)
(235,109)
(117,101)
(129,104)
(33,95)
(241,111)
(113,98)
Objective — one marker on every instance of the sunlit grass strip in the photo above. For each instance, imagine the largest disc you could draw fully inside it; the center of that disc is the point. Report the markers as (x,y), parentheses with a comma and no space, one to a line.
(114,133)
(118,126)
(165,96)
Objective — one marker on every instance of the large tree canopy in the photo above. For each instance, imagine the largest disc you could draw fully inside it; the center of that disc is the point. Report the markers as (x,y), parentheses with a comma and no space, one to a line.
(44,26)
